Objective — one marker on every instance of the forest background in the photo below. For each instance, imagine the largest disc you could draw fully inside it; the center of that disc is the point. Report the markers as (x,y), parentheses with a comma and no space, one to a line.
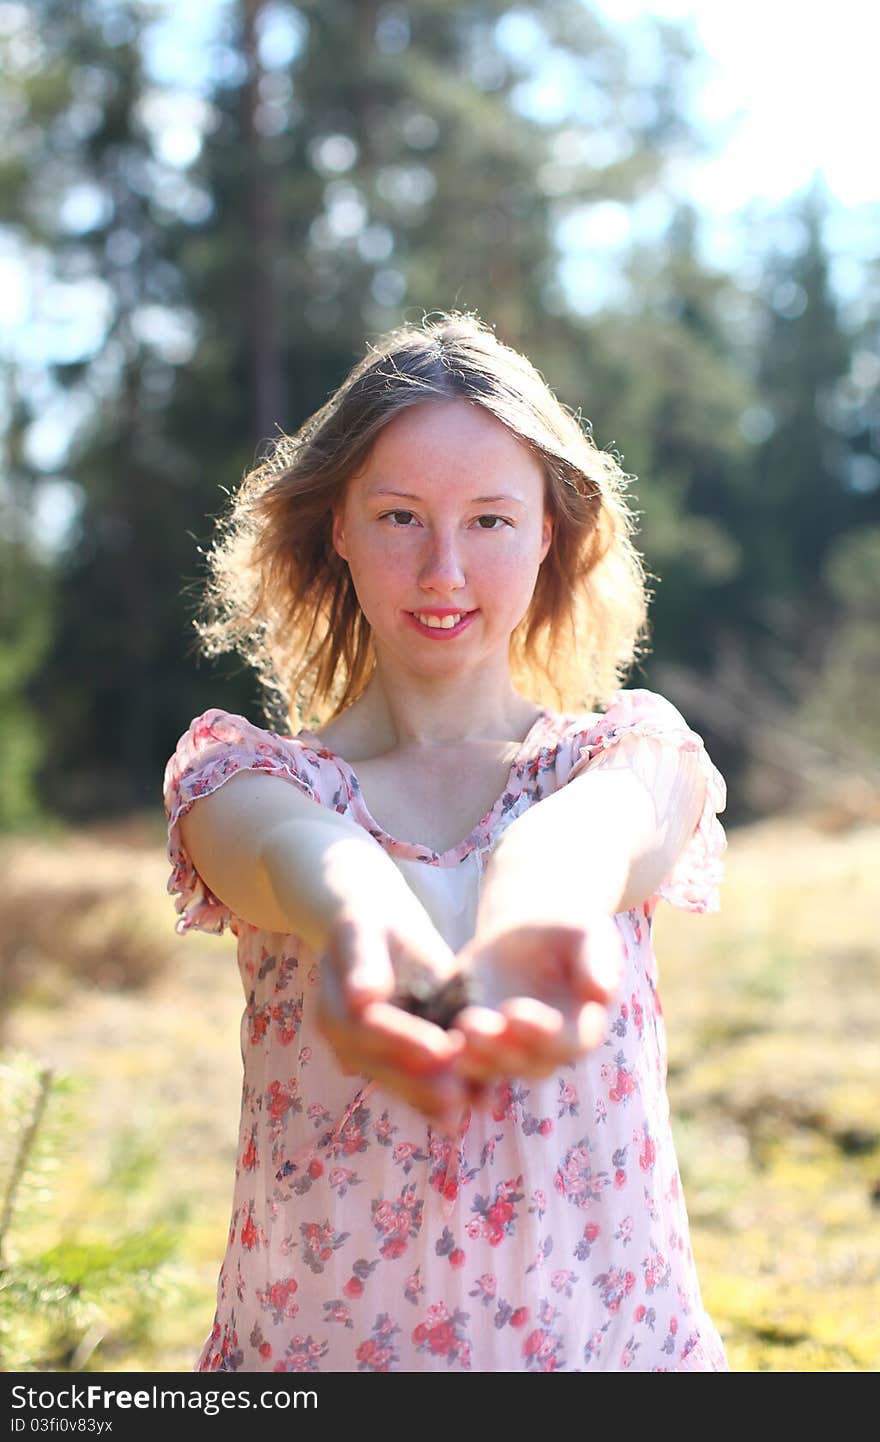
(205,262)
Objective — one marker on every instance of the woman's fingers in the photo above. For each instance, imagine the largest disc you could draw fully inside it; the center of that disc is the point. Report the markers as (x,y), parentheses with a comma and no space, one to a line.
(560,1035)
(494,1046)
(383,1033)
(412,1041)
(525,1037)
(402,1052)
(409,1057)
(544,990)
(439,1094)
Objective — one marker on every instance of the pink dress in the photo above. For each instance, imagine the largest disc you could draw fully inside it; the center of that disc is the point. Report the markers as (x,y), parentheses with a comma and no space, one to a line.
(550,1233)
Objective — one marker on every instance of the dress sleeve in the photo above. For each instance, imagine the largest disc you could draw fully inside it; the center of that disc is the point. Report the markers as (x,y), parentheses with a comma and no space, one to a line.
(214,747)
(643,730)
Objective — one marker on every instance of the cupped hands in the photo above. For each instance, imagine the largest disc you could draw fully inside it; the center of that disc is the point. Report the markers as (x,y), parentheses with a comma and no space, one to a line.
(536,997)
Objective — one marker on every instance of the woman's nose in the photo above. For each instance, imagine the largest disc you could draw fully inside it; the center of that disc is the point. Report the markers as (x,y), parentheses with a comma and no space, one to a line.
(441,567)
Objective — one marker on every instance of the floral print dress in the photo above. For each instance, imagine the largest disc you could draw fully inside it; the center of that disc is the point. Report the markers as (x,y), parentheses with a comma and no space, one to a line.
(549,1233)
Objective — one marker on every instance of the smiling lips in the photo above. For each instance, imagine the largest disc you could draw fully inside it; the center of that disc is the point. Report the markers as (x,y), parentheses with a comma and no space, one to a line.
(429,618)
(445,622)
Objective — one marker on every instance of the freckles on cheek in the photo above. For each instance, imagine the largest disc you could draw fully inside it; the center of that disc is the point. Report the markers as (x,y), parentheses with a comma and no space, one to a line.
(379,576)
(387,549)
(514,568)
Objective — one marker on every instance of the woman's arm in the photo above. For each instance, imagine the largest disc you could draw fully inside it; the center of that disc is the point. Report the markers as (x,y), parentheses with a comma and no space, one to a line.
(285,864)
(603,843)
(545,959)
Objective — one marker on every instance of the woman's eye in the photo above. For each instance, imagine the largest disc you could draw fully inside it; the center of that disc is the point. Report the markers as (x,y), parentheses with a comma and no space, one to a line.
(404,518)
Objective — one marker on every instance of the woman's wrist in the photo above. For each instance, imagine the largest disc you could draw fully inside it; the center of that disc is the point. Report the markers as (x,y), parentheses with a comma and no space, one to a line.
(522,889)
(427,976)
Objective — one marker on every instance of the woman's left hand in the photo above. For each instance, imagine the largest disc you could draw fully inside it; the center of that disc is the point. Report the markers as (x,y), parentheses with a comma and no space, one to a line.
(542,994)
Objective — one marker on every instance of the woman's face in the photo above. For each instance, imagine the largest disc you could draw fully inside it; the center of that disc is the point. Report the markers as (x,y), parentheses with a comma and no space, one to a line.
(445,523)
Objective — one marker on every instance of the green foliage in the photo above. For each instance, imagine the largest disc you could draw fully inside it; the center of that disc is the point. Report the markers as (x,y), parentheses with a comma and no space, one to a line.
(802,503)
(25,630)
(60,1297)
(848,683)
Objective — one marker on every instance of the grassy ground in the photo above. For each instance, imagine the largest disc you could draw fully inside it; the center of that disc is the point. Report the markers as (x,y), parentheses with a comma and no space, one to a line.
(772,1009)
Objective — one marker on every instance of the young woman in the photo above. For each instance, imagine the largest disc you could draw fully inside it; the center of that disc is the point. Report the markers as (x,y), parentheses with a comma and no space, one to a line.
(455,1150)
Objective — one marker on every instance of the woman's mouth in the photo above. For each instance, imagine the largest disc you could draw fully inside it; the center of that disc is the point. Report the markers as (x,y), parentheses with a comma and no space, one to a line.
(443,626)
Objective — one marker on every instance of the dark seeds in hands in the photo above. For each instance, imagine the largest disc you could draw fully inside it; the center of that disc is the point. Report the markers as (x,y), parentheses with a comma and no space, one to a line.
(420,996)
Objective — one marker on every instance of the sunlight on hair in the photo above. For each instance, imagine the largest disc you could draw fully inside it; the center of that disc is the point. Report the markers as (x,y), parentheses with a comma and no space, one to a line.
(280,596)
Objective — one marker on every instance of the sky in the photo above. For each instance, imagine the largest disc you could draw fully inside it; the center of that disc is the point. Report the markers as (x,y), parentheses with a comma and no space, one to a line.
(801,81)
(789,93)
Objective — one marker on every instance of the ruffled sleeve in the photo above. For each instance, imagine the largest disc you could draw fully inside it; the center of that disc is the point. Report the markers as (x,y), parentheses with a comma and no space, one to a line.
(653,735)
(215,747)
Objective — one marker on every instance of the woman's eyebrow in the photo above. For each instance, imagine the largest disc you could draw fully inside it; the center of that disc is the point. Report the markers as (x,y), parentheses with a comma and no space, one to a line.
(475,500)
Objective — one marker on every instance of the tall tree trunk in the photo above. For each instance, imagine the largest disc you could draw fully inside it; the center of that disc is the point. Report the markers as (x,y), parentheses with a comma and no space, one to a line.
(261,301)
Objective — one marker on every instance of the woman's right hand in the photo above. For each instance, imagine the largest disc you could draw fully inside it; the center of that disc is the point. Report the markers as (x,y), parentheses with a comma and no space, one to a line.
(366,964)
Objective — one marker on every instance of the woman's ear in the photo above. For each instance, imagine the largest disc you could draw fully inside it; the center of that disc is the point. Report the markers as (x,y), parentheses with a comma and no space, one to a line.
(337,533)
(546,534)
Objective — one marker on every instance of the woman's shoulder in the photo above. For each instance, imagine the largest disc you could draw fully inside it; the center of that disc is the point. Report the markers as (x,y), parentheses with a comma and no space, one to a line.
(340,738)
(624,708)
(567,738)
(217,728)
(217,743)
(216,746)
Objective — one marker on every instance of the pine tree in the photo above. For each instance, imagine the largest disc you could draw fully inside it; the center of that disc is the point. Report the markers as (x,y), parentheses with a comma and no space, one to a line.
(802,502)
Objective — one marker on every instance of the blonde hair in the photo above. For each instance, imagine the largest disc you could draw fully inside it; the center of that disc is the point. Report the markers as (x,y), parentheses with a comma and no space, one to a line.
(279,594)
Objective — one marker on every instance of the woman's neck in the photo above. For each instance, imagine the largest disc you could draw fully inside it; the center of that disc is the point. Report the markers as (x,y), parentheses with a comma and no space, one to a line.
(399,717)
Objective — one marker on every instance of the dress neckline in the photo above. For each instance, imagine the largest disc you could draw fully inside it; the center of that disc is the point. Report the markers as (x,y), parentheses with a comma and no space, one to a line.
(419,850)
